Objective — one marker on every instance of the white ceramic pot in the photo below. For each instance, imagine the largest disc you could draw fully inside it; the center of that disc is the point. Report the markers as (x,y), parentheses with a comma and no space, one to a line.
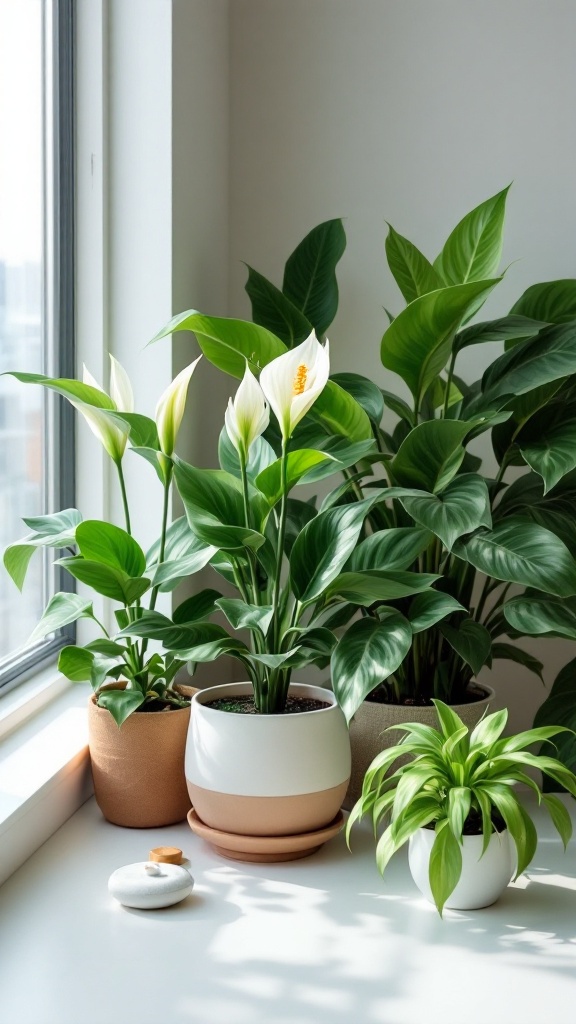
(483,879)
(267,775)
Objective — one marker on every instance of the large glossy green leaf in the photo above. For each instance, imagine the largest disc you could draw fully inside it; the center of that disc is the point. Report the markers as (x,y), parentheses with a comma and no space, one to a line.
(298,464)
(120,703)
(554,454)
(275,311)
(470,640)
(509,652)
(474,248)
(246,616)
(343,455)
(418,343)
(167,574)
(507,328)
(368,586)
(553,301)
(310,274)
(106,579)
(196,608)
(541,615)
(298,514)
(549,356)
(430,455)
(341,414)
(228,344)
(260,456)
(368,653)
(55,531)
(214,507)
(103,542)
(430,607)
(323,547)
(61,610)
(73,390)
(445,866)
(520,552)
(396,548)
(366,393)
(462,507)
(412,272)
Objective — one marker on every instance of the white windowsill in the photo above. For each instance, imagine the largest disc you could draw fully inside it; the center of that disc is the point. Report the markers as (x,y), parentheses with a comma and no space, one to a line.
(44,764)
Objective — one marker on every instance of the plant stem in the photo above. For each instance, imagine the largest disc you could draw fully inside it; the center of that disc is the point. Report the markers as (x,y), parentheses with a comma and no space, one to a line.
(165,508)
(124,496)
(448,384)
(280,551)
(155,590)
(247,521)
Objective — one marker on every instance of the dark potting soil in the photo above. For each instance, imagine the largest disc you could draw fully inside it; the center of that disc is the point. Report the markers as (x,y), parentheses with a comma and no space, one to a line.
(158,705)
(380,696)
(473,824)
(246,705)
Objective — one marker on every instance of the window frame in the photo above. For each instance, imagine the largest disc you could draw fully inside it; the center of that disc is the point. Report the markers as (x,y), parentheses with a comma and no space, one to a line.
(58,302)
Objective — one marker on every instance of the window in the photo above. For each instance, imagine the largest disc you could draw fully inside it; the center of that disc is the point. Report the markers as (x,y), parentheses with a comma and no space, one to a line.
(36,301)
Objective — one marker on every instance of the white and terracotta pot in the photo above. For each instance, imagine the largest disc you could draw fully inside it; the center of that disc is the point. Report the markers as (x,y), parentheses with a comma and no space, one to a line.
(368,734)
(267,775)
(483,879)
(138,769)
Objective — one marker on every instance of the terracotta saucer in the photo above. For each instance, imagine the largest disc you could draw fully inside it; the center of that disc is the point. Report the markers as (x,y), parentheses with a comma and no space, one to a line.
(265,849)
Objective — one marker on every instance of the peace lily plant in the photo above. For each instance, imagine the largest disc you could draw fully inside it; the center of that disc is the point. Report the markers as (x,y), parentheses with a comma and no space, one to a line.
(460,783)
(499,540)
(107,559)
(287,559)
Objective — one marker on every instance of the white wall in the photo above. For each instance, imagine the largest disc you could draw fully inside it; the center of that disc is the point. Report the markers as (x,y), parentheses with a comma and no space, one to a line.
(409,111)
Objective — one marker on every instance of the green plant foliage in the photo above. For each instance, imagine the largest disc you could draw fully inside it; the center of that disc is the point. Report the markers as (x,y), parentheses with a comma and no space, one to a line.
(552,301)
(458,779)
(370,651)
(310,274)
(412,272)
(474,249)
(418,344)
(480,537)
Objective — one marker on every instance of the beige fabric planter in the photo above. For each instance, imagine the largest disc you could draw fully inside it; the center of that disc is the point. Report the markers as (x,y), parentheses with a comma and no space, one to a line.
(138,770)
(368,736)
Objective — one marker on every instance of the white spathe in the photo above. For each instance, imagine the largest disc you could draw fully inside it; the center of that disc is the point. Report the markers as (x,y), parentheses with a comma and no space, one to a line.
(267,755)
(293,381)
(120,387)
(247,415)
(483,878)
(170,408)
(113,436)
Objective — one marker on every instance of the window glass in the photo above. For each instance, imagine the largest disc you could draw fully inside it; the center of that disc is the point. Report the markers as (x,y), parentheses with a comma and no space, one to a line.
(29,279)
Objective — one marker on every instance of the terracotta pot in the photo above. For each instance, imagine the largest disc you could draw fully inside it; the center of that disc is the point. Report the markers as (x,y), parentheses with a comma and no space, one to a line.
(368,736)
(138,769)
(267,775)
(484,876)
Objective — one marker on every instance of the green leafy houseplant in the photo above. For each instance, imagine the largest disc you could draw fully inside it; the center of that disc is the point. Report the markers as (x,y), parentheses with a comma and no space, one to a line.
(108,560)
(285,558)
(502,544)
(461,783)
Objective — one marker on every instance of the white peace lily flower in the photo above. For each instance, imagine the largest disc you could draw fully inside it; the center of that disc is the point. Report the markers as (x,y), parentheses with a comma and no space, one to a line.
(247,415)
(170,408)
(293,381)
(120,387)
(113,436)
